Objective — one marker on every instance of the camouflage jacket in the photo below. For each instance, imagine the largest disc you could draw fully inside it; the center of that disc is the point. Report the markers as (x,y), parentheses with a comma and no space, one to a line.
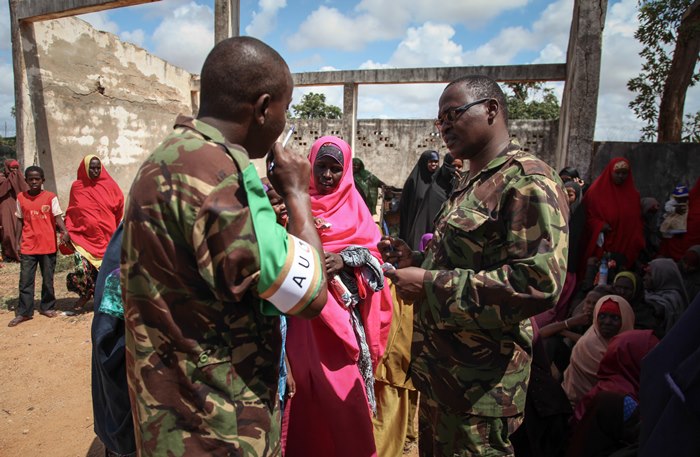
(497,258)
(202,361)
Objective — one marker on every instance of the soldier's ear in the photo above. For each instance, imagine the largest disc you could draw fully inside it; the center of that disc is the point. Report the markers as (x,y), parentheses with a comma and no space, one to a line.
(492,110)
(260,108)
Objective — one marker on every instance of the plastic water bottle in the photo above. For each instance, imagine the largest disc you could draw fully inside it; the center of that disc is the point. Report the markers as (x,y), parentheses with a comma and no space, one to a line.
(603,272)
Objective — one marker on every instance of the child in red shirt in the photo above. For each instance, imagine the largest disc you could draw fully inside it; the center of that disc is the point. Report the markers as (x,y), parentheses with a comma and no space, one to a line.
(38,214)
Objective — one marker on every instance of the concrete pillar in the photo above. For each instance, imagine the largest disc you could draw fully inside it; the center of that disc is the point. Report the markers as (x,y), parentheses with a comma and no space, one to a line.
(227,19)
(350,112)
(580,99)
(24,118)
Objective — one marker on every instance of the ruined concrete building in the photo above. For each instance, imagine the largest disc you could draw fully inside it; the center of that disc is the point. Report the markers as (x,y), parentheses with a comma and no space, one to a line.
(81,91)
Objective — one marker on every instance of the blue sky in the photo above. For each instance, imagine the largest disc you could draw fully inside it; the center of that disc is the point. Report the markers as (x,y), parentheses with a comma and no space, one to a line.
(314,36)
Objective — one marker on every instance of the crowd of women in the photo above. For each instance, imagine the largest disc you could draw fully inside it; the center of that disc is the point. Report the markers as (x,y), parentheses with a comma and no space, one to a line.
(632,274)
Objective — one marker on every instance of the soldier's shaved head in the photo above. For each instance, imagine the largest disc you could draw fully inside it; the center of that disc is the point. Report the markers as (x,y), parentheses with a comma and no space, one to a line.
(236,72)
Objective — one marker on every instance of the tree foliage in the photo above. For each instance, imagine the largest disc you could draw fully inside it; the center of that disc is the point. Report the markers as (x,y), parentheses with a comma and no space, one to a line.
(313,106)
(659,21)
(532,101)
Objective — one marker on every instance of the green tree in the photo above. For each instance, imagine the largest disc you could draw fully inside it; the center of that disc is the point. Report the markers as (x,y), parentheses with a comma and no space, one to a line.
(669,30)
(522,105)
(313,106)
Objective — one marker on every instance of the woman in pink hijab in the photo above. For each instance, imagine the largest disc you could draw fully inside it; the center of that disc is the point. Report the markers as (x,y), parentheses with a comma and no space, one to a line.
(333,356)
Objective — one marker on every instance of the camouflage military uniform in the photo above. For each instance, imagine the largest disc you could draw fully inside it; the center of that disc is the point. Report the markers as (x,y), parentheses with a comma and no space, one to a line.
(202,361)
(498,257)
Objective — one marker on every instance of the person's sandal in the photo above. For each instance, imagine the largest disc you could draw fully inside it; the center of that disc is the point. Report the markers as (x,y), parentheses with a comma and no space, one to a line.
(49,313)
(18,320)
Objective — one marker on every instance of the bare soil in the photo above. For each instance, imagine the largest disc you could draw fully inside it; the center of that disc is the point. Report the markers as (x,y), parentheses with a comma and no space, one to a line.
(45,400)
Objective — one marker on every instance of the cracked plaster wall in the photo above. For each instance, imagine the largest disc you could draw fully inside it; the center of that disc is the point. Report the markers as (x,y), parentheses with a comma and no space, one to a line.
(100,96)
(390,148)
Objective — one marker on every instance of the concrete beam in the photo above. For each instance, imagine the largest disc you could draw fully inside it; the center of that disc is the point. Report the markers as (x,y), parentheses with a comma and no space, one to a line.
(41,10)
(501,73)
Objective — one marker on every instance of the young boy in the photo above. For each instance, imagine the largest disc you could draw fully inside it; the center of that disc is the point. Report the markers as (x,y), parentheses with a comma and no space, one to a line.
(38,214)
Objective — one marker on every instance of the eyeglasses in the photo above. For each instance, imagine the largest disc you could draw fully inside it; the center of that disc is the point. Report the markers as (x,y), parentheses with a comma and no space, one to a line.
(453,114)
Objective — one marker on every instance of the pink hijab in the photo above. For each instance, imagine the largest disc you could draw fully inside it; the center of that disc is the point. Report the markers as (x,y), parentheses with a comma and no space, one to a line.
(351,224)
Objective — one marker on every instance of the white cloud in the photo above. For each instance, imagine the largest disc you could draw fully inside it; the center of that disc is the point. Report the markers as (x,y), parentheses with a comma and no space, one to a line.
(376,20)
(428,45)
(401,101)
(620,61)
(100,21)
(329,28)
(265,20)
(5,35)
(137,36)
(185,36)
(473,13)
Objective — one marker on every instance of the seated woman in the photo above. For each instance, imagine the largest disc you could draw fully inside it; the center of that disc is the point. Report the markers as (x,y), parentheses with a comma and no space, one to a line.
(629,286)
(94,211)
(556,334)
(689,267)
(664,293)
(334,355)
(612,315)
(608,416)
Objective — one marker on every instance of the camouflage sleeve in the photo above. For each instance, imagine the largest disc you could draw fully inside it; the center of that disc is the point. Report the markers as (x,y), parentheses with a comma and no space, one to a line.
(224,242)
(529,280)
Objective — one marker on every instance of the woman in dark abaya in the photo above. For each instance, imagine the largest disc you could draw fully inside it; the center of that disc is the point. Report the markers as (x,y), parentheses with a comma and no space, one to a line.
(670,391)
(439,190)
(110,394)
(414,191)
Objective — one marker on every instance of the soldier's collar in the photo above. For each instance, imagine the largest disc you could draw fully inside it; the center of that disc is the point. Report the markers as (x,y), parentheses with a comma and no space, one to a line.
(209,132)
(496,163)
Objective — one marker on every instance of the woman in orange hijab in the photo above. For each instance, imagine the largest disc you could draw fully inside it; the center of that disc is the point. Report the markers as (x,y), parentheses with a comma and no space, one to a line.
(94,211)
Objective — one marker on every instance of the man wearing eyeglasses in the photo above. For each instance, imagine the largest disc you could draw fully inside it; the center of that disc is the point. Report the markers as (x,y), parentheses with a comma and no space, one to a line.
(497,258)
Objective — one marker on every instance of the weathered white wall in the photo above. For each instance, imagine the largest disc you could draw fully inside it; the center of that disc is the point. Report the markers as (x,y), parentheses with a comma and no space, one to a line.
(391,147)
(100,96)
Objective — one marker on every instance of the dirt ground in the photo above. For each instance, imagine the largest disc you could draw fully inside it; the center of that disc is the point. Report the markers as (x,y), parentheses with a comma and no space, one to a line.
(45,401)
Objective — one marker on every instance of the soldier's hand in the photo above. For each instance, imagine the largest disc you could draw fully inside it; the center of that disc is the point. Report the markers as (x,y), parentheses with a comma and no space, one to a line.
(291,172)
(408,282)
(395,251)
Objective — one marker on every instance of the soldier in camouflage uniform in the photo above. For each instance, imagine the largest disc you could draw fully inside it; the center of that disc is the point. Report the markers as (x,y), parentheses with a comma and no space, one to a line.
(497,258)
(203,348)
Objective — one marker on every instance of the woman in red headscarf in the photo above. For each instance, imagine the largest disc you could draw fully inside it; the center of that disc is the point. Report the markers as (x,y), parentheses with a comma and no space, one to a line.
(613,215)
(607,418)
(94,211)
(333,356)
(12,183)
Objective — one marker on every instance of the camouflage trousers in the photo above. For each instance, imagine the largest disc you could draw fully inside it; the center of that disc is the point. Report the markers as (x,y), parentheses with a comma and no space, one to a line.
(444,433)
